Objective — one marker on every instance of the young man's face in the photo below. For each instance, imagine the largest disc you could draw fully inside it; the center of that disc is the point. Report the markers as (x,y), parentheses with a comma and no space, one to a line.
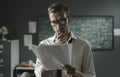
(59,22)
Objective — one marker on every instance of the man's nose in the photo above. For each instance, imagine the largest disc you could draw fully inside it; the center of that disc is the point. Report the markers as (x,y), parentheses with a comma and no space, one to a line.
(59,27)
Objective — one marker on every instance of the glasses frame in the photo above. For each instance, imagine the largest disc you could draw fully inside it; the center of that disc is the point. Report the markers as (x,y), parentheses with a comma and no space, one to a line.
(60,22)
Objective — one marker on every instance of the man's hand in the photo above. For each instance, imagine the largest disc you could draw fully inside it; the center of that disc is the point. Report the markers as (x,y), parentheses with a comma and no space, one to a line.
(45,73)
(71,71)
(61,38)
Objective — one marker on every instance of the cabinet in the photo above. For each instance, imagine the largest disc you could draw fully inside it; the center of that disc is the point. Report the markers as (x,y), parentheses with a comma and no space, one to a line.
(9,57)
(19,70)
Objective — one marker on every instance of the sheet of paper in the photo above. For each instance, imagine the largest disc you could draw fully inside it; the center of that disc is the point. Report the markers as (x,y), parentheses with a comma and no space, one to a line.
(52,56)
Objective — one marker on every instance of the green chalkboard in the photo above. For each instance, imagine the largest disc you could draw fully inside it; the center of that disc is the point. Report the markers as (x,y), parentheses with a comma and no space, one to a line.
(44,29)
(98,30)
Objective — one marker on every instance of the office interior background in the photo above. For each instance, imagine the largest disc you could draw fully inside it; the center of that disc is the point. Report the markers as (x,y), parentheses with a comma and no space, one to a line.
(15,15)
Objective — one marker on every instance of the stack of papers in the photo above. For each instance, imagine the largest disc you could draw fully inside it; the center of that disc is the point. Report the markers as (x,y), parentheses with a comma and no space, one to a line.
(52,56)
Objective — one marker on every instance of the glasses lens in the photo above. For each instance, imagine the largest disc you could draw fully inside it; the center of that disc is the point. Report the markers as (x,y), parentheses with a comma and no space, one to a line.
(60,22)
(53,23)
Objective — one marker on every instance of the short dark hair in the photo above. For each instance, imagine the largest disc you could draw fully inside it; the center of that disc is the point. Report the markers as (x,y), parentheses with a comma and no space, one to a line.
(56,7)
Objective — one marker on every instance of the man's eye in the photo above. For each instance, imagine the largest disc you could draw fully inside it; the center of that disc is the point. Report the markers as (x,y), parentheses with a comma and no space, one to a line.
(54,22)
(62,22)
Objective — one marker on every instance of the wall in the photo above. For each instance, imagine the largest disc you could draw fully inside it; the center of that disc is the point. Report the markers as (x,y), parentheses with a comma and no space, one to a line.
(16,13)
(3,13)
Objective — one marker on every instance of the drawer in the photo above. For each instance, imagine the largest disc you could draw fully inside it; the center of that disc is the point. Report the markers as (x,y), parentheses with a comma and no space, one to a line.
(1,51)
(1,46)
(4,61)
(5,50)
(4,73)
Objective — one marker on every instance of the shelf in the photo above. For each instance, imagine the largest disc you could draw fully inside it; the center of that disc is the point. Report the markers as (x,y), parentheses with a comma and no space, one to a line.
(24,68)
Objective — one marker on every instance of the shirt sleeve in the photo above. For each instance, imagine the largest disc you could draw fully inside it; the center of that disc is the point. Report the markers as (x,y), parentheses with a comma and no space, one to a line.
(88,64)
(38,68)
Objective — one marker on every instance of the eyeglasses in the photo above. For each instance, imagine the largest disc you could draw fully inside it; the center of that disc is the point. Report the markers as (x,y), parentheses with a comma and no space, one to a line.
(60,22)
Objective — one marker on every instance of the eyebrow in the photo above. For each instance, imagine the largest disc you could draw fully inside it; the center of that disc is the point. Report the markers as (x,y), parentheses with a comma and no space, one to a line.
(59,19)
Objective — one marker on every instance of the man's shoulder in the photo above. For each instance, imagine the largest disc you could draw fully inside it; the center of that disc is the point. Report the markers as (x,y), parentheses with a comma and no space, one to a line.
(79,39)
(82,40)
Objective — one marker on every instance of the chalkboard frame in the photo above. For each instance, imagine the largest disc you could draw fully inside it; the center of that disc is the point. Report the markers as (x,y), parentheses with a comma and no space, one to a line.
(76,16)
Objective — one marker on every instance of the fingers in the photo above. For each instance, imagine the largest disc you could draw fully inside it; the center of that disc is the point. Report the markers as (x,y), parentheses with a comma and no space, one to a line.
(69,69)
(61,38)
(45,73)
(61,35)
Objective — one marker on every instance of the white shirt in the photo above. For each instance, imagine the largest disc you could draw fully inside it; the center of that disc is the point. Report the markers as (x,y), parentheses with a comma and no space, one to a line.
(82,57)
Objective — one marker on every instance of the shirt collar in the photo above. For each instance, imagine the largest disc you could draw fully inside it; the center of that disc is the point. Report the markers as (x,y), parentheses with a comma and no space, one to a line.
(71,36)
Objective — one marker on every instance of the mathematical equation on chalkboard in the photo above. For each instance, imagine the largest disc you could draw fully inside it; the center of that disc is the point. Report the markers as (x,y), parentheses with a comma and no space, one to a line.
(98,30)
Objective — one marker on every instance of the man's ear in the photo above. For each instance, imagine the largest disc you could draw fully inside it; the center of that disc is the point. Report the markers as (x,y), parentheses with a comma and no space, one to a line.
(68,20)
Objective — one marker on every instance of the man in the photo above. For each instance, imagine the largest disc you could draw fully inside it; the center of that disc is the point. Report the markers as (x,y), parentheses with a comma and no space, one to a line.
(82,57)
